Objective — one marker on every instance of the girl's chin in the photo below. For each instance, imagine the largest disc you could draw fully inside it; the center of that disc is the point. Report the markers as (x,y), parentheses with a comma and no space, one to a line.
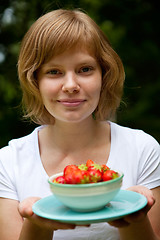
(73,119)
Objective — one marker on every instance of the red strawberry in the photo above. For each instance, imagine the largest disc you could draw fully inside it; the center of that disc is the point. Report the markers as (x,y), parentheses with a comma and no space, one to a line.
(85,177)
(95,175)
(69,169)
(59,179)
(89,163)
(74,177)
(104,167)
(95,166)
(109,175)
(83,167)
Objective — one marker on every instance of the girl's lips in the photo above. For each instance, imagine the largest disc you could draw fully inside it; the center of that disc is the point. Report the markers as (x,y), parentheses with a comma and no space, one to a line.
(71,102)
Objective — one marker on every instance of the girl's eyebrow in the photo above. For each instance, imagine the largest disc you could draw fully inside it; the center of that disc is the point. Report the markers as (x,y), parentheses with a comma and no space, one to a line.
(56,64)
(49,65)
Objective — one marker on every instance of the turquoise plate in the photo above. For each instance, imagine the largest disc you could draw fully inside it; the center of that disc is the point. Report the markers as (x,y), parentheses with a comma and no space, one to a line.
(124,203)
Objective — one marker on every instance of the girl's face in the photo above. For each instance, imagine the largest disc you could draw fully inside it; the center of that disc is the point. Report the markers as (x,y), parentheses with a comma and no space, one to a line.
(70,85)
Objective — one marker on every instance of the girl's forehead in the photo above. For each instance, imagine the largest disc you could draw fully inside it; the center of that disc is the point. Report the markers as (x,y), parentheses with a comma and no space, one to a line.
(73,50)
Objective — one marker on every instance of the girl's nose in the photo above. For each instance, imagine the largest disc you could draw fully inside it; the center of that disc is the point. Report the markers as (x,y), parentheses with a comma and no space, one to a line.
(70,84)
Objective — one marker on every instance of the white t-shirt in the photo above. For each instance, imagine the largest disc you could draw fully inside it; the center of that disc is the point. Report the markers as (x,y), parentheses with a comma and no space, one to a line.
(133,152)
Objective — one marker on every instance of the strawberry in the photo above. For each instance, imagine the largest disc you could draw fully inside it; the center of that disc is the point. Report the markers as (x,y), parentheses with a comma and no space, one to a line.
(89,163)
(74,177)
(69,169)
(95,166)
(59,179)
(109,175)
(104,167)
(83,167)
(85,176)
(77,177)
(95,175)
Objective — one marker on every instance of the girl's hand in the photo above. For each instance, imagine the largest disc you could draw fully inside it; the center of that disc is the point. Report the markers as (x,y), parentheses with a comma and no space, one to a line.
(141,214)
(25,210)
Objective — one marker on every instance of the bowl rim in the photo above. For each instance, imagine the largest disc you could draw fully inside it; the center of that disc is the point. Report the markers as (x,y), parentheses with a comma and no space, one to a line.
(85,185)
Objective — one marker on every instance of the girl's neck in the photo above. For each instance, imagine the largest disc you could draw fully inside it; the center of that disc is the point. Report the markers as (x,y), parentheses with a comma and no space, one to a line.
(71,136)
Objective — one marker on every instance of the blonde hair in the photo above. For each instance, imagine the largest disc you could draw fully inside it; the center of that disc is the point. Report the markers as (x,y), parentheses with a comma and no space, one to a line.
(51,35)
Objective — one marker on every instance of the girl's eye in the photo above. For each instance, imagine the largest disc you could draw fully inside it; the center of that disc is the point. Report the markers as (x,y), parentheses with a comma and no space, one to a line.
(86,69)
(54,72)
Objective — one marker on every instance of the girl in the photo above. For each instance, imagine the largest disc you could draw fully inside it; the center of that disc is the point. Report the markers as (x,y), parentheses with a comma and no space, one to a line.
(72,83)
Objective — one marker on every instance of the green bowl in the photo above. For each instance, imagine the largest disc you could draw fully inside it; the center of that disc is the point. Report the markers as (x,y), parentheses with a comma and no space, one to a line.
(86,197)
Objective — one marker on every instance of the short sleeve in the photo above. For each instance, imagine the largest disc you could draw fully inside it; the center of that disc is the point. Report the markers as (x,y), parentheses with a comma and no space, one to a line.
(7,184)
(149,163)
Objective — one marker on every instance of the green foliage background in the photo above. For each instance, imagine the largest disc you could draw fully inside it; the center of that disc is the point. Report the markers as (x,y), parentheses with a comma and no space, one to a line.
(132,26)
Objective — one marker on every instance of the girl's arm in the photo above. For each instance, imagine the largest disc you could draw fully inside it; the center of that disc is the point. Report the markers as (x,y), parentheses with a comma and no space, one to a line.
(36,227)
(10,220)
(17,222)
(143,224)
(32,231)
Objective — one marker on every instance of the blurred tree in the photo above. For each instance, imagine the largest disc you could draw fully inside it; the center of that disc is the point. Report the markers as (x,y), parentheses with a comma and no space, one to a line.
(131,26)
